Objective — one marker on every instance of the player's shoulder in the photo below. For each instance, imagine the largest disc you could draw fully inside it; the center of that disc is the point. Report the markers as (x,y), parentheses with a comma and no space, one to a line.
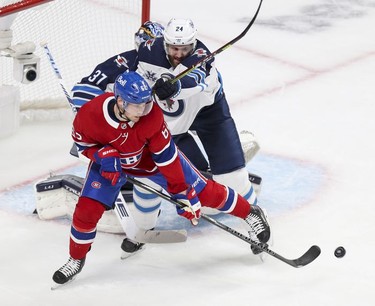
(125,59)
(155,112)
(151,45)
(200,44)
(200,52)
(154,117)
(121,61)
(97,103)
(152,52)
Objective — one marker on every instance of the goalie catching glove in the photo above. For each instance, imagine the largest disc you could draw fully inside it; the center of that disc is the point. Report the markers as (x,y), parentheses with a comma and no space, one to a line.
(165,89)
(192,208)
(110,165)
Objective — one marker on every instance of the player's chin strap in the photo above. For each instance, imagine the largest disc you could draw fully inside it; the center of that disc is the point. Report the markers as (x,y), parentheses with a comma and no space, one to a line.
(121,112)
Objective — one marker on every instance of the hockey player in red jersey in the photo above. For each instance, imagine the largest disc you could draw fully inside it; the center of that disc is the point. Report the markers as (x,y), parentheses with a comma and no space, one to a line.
(124,134)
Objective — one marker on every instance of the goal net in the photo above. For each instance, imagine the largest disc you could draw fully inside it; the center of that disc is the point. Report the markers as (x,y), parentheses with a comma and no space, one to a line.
(79,33)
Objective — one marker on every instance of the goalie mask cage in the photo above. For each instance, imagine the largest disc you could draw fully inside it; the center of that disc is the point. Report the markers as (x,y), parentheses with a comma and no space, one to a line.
(79,33)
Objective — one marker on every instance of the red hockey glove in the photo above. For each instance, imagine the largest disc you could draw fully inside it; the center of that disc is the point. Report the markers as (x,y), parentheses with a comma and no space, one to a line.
(110,165)
(192,209)
(164,88)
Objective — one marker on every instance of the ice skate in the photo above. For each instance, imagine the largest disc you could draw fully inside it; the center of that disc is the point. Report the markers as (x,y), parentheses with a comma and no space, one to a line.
(259,228)
(130,248)
(68,271)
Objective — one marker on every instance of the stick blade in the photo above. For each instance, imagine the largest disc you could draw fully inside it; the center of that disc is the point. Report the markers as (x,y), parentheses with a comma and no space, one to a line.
(310,255)
(161,236)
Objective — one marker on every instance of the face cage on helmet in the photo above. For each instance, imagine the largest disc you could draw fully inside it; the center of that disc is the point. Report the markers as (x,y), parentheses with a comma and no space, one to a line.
(145,33)
(142,37)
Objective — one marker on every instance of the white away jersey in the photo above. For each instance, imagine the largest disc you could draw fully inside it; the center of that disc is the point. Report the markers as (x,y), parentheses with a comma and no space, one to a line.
(198,88)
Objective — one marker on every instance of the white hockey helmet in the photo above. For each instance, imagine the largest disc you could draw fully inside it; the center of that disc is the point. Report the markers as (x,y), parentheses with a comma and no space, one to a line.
(180,32)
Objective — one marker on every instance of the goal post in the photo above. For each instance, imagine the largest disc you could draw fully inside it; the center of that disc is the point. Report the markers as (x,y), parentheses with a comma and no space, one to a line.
(80,33)
(11,7)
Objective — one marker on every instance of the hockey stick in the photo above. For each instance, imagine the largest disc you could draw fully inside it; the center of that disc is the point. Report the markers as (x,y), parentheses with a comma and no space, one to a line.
(309,256)
(121,208)
(218,51)
(58,75)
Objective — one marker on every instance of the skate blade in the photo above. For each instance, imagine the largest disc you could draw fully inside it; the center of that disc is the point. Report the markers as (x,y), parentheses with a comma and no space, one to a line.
(55,286)
(263,256)
(125,255)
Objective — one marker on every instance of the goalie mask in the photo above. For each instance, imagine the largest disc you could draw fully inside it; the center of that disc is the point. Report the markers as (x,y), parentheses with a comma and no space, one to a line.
(148,30)
(133,95)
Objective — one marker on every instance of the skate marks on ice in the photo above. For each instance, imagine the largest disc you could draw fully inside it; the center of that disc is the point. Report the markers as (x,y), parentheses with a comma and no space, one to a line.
(287,183)
(318,16)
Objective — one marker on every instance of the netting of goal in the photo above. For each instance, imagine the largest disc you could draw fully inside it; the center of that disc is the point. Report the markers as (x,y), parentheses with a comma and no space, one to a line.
(80,34)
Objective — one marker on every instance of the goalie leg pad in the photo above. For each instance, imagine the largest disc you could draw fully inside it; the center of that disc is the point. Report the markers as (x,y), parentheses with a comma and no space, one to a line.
(57,197)
(50,198)
(249,145)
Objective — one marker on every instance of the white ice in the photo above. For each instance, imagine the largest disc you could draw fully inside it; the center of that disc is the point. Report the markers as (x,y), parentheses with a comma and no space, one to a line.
(302,80)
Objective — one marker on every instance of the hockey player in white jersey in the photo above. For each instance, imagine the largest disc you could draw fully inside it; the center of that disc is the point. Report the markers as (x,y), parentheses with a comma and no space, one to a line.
(196,102)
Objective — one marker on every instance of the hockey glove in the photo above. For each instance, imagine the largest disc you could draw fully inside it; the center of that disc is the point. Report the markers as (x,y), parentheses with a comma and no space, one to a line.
(192,208)
(110,165)
(164,88)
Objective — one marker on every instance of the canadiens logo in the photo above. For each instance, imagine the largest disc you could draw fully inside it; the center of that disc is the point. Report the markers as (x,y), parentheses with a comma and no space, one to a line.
(96,185)
(129,160)
(121,61)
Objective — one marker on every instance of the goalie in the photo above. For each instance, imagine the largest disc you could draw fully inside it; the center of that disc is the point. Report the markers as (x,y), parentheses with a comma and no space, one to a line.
(124,134)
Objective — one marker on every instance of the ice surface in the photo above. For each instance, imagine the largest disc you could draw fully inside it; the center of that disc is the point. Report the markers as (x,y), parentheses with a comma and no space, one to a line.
(302,80)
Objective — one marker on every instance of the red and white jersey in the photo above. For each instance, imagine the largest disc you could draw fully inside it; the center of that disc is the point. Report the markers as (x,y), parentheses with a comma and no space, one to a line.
(145,147)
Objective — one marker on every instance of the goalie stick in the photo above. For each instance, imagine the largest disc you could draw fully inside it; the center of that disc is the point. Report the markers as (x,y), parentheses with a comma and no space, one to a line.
(309,256)
(121,208)
(221,49)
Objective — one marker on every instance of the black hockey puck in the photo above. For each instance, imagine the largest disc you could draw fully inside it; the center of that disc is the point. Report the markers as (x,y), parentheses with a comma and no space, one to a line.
(340,252)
